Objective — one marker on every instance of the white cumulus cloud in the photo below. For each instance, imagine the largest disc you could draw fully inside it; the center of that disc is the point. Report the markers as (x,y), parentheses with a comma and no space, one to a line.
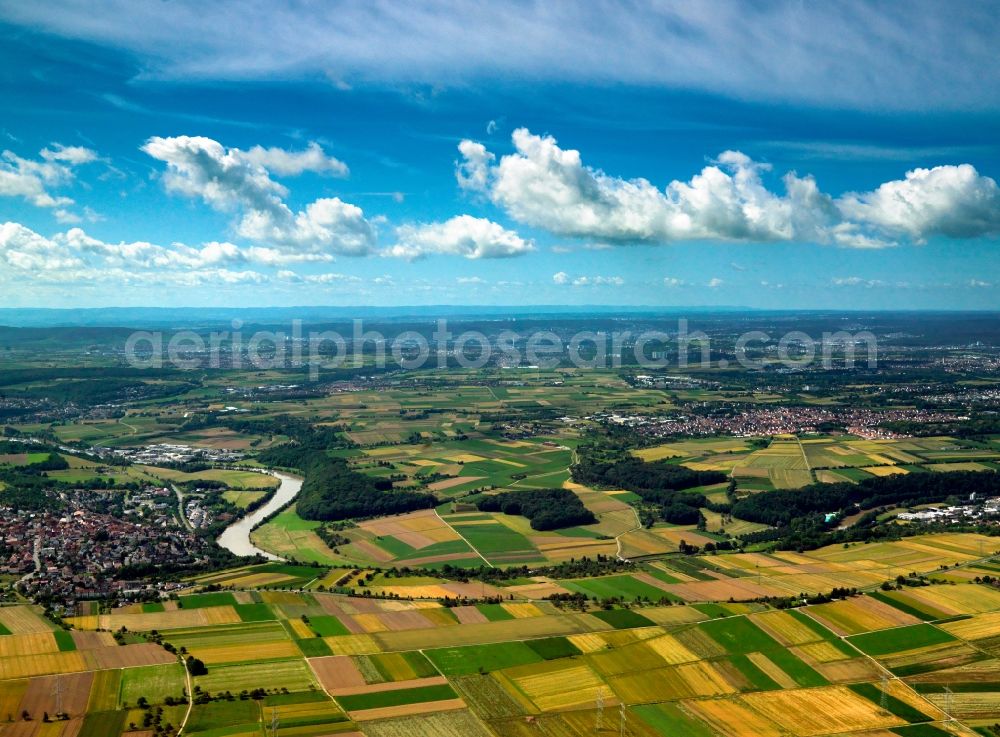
(463,235)
(73,155)
(549,187)
(292,163)
(562,278)
(545,186)
(231,180)
(953,201)
(33,180)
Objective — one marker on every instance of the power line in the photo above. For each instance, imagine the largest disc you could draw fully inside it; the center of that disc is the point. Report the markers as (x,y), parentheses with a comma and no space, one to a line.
(57,689)
(600,710)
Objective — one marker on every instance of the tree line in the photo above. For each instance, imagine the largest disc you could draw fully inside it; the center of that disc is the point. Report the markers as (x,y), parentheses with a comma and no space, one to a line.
(547,509)
(779,508)
(661,486)
(331,490)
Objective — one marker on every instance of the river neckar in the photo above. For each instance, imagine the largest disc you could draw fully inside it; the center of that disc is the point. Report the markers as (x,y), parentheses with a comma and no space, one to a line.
(236,537)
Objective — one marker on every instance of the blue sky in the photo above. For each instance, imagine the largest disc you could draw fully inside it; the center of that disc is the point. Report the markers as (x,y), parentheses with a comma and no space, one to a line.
(757,154)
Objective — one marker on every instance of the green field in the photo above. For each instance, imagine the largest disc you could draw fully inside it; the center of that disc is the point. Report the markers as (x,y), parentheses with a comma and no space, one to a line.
(738,635)
(622,587)
(396,698)
(155,682)
(327,625)
(254,612)
(900,639)
(623,618)
(291,674)
(460,661)
(200,601)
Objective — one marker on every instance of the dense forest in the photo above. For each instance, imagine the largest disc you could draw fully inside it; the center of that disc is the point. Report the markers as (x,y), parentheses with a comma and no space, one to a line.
(547,509)
(780,508)
(331,490)
(660,485)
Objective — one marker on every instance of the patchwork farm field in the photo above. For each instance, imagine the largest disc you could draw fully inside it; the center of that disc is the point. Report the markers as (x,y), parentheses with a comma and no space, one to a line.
(335,664)
(452,621)
(788,462)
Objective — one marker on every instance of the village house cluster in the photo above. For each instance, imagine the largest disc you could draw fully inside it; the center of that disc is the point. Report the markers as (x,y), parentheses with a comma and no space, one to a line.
(754,421)
(956,513)
(75,553)
(169,453)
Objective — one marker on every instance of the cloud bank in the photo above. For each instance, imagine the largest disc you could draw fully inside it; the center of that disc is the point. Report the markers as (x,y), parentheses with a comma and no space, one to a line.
(545,186)
(927,54)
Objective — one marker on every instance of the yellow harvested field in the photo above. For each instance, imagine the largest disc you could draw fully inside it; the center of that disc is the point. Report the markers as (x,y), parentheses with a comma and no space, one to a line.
(522,611)
(672,650)
(10,696)
(685,681)
(301,629)
(948,601)
(920,554)
(252,580)
(554,686)
(820,711)
(177,619)
(860,614)
(435,591)
(849,671)
(977,628)
(23,619)
(34,643)
(465,457)
(980,705)
(588,643)
(85,622)
(659,452)
(39,665)
(821,652)
(733,719)
(772,670)
(371,623)
(785,628)
(237,653)
(352,645)
(885,470)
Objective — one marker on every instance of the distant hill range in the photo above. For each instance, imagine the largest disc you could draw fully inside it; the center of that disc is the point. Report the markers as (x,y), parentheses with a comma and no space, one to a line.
(173,317)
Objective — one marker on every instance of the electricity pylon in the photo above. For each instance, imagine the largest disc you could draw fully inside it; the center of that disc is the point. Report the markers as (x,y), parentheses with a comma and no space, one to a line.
(600,710)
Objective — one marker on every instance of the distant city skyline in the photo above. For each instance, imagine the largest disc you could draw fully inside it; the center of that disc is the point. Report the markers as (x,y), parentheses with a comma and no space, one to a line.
(774,155)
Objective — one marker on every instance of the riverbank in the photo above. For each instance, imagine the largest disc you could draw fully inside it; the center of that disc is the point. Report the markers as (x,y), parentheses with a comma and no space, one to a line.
(236,537)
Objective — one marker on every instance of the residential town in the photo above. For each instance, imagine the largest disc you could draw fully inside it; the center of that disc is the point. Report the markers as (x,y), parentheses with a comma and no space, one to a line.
(75,553)
(751,420)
